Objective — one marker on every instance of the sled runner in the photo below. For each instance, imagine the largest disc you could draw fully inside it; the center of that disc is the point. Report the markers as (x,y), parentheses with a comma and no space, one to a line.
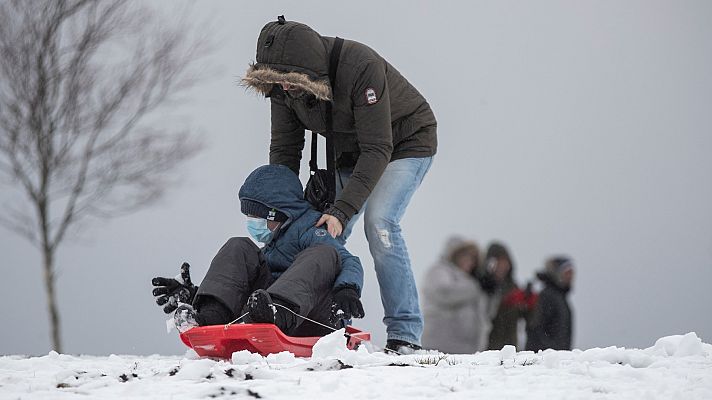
(221,341)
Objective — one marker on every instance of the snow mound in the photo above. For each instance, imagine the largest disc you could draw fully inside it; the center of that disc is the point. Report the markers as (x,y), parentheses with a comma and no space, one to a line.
(246,357)
(617,355)
(508,352)
(195,369)
(283,357)
(679,346)
(332,345)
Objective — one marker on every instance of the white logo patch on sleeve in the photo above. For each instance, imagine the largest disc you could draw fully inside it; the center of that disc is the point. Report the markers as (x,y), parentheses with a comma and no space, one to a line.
(371,96)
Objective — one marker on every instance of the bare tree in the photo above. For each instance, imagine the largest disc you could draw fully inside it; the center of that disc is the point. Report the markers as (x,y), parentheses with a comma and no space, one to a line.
(79,80)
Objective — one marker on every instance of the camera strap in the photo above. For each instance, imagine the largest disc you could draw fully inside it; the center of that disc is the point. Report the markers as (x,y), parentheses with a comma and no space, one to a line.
(330,153)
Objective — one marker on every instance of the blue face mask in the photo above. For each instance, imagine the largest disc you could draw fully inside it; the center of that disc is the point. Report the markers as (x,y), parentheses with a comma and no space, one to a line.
(257,227)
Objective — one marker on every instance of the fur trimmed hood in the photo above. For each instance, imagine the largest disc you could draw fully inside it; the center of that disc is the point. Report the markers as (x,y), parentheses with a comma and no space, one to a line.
(293,53)
(262,78)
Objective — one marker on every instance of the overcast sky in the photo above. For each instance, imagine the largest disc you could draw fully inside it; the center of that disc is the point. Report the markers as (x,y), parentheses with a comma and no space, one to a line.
(582,128)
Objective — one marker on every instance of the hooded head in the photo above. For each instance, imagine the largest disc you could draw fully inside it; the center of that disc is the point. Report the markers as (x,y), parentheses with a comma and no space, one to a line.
(558,271)
(273,193)
(462,253)
(499,260)
(290,53)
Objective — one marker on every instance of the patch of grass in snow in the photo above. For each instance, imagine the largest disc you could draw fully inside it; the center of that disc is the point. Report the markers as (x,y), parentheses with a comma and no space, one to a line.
(528,362)
(127,377)
(224,391)
(334,365)
(398,364)
(435,360)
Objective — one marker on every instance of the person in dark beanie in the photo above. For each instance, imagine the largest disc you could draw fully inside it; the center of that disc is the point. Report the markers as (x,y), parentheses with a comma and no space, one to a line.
(384,138)
(300,270)
(551,324)
(516,303)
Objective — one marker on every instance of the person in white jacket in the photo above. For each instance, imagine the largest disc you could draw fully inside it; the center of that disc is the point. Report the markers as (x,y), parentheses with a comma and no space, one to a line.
(458,313)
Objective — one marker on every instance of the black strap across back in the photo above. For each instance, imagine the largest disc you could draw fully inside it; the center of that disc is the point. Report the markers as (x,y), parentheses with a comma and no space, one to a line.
(330,154)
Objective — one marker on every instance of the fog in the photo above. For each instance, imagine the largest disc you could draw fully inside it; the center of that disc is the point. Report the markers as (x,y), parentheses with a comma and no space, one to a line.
(581,128)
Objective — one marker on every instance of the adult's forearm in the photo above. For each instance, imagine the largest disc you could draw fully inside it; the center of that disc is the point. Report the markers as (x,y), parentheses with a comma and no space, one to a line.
(287,158)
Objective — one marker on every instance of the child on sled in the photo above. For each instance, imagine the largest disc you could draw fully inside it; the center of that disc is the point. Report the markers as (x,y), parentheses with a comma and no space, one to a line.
(300,271)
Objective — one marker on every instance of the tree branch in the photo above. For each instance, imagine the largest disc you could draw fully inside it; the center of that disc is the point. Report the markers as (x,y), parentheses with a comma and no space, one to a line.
(71,124)
(21,224)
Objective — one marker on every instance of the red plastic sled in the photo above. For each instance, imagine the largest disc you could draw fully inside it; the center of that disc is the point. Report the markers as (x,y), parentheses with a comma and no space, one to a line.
(220,342)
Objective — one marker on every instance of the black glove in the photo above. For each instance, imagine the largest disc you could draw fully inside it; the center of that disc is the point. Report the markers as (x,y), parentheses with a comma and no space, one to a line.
(172,291)
(485,276)
(488,283)
(347,303)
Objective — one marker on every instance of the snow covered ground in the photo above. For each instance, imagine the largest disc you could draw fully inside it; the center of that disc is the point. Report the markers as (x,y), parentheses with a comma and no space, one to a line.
(676,367)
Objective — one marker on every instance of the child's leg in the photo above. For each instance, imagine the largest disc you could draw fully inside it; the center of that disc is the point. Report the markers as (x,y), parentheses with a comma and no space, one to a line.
(236,270)
(322,313)
(307,286)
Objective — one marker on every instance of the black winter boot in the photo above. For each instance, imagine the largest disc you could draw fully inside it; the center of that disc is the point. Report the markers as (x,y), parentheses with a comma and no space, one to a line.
(210,311)
(401,347)
(264,309)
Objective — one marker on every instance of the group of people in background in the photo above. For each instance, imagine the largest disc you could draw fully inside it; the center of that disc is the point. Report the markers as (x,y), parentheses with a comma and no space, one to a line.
(472,302)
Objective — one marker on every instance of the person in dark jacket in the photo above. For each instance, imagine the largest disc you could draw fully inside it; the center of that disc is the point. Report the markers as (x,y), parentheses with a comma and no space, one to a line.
(384,137)
(516,303)
(551,325)
(300,270)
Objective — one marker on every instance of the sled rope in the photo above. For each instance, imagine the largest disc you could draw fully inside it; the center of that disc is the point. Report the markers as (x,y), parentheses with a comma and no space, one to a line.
(306,319)
(236,319)
(288,309)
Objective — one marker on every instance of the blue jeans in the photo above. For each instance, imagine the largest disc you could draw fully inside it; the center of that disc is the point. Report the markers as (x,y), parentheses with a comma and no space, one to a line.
(382,214)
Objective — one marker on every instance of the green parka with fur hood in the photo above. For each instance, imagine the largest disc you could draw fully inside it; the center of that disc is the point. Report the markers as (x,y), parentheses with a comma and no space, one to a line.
(378,116)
